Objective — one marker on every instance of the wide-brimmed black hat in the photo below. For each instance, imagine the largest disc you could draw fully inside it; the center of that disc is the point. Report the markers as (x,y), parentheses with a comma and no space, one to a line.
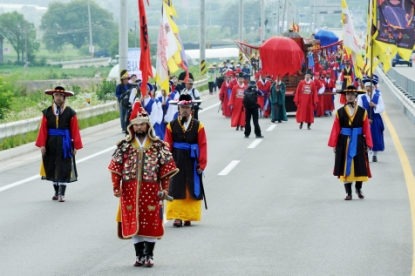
(59,90)
(351,89)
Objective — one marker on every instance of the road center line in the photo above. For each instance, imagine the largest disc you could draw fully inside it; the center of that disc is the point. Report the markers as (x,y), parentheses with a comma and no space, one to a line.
(229,167)
(255,143)
(271,127)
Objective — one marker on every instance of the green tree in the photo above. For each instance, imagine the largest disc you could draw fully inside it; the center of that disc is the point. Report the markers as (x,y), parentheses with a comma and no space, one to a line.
(68,23)
(16,29)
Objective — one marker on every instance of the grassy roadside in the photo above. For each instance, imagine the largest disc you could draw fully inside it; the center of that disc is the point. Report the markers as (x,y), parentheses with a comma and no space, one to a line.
(21,139)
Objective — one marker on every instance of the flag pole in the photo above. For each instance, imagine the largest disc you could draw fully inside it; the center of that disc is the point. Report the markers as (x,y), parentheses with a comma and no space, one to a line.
(371,51)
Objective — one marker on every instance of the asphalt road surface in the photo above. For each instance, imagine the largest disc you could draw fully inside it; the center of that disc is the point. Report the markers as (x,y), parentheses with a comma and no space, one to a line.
(274,209)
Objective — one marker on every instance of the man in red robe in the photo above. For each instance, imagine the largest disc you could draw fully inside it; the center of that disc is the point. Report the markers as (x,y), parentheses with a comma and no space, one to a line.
(320,90)
(328,97)
(236,103)
(141,168)
(264,85)
(225,94)
(59,139)
(306,100)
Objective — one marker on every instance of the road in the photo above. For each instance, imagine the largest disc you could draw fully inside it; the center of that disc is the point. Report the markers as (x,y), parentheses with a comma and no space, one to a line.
(279,211)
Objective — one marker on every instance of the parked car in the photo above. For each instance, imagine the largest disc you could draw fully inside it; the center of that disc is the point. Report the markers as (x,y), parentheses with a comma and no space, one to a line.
(399,60)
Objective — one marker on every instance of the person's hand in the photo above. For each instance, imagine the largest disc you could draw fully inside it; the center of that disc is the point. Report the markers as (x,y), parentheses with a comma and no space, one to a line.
(117,191)
(334,150)
(370,121)
(74,152)
(199,171)
(372,104)
(43,150)
(165,194)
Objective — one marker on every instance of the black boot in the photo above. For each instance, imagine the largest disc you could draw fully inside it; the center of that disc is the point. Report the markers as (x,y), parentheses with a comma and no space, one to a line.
(56,187)
(358,186)
(308,126)
(61,193)
(149,254)
(348,188)
(139,252)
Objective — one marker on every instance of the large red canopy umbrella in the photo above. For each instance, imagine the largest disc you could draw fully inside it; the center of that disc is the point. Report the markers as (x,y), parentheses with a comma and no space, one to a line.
(281,56)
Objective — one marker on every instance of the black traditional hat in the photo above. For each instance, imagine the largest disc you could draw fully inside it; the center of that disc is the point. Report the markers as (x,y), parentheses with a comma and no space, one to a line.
(59,90)
(308,72)
(252,84)
(241,75)
(351,89)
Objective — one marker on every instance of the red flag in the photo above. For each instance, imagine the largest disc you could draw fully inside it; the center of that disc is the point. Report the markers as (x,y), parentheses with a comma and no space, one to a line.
(145,61)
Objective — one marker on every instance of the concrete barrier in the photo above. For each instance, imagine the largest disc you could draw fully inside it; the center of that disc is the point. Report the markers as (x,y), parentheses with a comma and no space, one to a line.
(25,126)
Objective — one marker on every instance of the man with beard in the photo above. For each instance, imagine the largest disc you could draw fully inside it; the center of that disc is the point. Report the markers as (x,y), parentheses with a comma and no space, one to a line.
(350,136)
(59,139)
(186,138)
(235,103)
(306,99)
(141,168)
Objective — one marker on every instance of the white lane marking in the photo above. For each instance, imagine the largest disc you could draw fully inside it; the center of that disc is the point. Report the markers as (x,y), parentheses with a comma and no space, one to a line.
(207,108)
(255,143)
(271,127)
(229,167)
(18,183)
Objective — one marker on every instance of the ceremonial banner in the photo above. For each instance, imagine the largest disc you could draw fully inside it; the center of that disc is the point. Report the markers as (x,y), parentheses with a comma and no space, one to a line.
(395,23)
(145,61)
(350,41)
(167,46)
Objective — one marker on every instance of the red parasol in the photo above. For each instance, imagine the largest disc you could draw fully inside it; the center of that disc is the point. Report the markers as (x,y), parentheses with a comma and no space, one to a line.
(281,56)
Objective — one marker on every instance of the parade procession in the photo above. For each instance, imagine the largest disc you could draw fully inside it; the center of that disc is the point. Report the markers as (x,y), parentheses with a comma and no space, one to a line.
(240,137)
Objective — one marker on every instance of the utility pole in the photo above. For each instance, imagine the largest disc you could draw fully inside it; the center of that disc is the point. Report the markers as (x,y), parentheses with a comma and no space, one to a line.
(283,15)
(123,37)
(135,34)
(241,20)
(278,17)
(202,38)
(262,21)
(91,47)
(27,52)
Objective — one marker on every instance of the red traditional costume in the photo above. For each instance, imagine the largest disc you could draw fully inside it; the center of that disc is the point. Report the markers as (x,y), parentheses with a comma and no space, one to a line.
(264,86)
(225,94)
(306,100)
(59,135)
(139,171)
(326,104)
(188,144)
(351,138)
(235,101)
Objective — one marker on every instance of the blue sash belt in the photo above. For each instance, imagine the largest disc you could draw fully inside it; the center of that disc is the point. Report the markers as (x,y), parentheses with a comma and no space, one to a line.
(191,147)
(351,152)
(229,91)
(66,143)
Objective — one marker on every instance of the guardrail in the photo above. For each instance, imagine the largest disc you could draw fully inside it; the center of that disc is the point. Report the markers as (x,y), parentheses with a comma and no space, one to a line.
(25,126)
(404,98)
(399,80)
(89,60)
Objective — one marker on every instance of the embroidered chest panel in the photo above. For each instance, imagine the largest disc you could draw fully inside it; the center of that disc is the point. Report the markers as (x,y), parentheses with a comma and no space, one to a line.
(306,89)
